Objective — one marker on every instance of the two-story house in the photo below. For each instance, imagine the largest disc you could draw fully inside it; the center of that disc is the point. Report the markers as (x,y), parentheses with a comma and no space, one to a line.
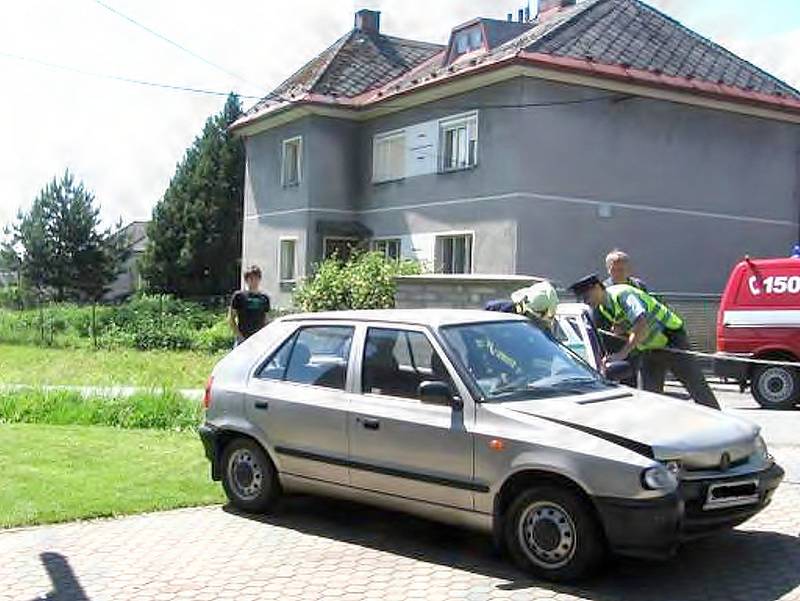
(526,146)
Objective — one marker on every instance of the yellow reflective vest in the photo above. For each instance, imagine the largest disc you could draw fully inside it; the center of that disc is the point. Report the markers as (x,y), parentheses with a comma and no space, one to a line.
(622,301)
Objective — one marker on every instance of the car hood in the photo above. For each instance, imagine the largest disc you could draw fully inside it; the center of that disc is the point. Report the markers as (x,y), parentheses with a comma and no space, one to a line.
(661,427)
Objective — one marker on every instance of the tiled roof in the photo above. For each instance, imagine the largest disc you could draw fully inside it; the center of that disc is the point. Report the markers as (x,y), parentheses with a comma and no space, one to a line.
(625,39)
(634,34)
(354,64)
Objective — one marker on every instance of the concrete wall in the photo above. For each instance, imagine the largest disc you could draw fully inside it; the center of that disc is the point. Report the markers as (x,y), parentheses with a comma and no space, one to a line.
(472,292)
(687,191)
(456,291)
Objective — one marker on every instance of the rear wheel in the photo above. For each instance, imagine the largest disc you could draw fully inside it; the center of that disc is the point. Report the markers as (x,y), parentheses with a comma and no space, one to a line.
(776,386)
(248,476)
(554,534)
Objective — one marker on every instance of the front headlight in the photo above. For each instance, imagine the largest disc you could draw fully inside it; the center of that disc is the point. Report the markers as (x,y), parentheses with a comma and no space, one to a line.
(761,449)
(660,478)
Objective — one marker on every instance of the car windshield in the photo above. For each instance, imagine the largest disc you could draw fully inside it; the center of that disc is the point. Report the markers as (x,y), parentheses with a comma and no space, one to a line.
(515,360)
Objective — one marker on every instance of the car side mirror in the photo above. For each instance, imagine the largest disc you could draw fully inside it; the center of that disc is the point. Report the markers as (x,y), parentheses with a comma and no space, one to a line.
(438,393)
(618,371)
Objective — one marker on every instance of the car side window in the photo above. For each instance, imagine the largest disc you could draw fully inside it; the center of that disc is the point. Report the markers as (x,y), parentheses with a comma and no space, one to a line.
(316,355)
(396,362)
(275,368)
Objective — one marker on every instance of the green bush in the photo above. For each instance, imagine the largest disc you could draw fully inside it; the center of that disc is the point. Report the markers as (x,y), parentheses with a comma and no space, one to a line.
(216,338)
(159,410)
(365,281)
(14,297)
(144,323)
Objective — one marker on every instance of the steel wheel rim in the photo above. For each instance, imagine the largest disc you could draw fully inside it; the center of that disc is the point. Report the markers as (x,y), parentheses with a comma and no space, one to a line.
(245,474)
(547,535)
(780,393)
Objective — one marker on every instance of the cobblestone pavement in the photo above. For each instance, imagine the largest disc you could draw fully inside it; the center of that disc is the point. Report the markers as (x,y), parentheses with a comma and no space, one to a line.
(315,549)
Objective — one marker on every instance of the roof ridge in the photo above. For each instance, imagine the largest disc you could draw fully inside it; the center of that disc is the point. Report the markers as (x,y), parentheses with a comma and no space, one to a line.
(585,8)
(333,49)
(410,41)
(555,23)
(709,42)
(340,43)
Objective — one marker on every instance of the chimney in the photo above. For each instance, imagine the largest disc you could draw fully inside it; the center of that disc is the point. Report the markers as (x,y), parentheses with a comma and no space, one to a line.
(510,17)
(368,21)
(550,6)
(521,15)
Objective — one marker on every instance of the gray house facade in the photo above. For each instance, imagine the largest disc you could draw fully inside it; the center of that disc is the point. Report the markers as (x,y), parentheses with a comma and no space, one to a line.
(529,147)
(129,280)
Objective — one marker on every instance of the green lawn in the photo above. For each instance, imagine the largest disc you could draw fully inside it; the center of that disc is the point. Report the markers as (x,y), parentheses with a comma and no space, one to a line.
(60,473)
(41,366)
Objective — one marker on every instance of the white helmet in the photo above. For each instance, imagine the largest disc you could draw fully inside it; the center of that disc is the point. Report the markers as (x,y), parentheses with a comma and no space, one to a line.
(540,300)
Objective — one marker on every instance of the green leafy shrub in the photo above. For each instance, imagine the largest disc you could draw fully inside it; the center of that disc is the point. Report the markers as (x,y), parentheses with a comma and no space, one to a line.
(144,323)
(365,281)
(158,410)
(14,297)
(214,339)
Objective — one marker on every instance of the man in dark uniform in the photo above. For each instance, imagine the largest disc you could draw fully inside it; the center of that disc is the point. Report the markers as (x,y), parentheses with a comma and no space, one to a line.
(248,310)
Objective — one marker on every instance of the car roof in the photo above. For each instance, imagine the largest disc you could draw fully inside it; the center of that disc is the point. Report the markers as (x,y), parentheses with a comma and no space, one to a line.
(570,309)
(422,317)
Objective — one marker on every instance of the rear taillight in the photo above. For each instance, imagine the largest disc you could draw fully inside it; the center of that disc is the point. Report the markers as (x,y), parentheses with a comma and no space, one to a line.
(207,394)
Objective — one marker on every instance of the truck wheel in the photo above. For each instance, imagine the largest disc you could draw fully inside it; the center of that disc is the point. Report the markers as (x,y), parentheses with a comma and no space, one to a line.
(554,534)
(776,386)
(248,476)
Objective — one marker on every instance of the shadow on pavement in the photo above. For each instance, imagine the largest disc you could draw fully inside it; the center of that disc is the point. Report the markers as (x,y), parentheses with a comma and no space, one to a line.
(65,584)
(746,565)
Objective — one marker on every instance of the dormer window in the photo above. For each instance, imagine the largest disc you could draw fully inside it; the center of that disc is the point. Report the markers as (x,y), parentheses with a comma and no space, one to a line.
(467,40)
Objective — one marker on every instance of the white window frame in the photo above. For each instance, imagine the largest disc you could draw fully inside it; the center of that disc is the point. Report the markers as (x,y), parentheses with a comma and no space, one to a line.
(298,140)
(294,240)
(375,241)
(468,121)
(380,173)
(453,234)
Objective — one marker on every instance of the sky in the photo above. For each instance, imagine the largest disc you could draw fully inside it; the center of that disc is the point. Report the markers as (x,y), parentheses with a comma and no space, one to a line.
(124,140)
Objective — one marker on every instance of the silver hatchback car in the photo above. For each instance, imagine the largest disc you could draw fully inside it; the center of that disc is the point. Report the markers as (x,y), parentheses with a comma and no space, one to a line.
(481,420)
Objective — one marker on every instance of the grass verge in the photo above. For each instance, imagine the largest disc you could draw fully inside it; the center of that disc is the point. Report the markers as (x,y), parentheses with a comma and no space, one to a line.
(60,473)
(166,410)
(41,366)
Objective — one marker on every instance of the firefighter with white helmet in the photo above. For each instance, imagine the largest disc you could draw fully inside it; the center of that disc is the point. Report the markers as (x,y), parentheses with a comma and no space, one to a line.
(538,302)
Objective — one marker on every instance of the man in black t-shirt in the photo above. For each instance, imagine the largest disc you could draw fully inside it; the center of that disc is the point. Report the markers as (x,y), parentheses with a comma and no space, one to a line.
(249,307)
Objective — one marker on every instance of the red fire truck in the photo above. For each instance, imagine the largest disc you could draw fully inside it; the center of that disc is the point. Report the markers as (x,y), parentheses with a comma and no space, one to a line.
(759,318)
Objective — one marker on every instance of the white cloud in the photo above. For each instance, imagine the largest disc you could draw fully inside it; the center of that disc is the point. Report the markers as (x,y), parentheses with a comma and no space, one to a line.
(125,140)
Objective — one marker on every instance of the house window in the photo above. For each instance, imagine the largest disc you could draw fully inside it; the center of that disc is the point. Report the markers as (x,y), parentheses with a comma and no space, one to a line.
(389,157)
(389,247)
(468,40)
(288,250)
(458,139)
(340,248)
(454,253)
(292,161)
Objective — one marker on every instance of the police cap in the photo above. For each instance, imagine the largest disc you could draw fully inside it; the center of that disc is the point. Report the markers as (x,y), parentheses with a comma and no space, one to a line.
(582,286)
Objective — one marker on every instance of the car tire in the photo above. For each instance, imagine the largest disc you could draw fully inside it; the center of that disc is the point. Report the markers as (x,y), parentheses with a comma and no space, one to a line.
(554,534)
(249,477)
(776,386)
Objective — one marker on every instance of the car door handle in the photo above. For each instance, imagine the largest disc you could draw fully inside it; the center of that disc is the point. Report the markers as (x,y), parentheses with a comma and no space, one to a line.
(262,405)
(368,423)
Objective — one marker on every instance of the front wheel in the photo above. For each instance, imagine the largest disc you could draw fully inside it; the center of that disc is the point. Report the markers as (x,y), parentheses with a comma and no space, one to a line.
(776,386)
(248,476)
(554,534)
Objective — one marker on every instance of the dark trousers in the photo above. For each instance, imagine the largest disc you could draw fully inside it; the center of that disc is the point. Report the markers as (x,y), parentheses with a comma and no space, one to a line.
(655,363)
